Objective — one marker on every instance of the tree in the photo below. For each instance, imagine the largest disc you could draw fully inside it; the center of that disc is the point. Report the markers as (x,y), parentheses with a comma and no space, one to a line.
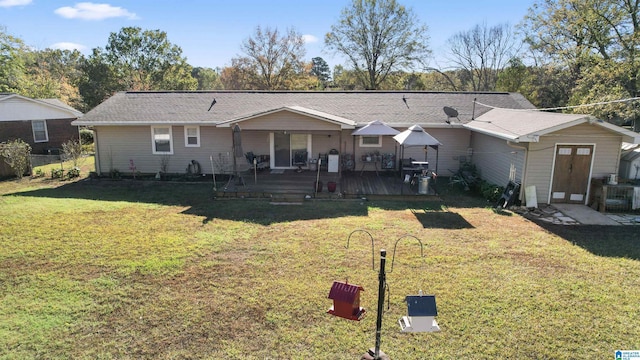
(143,59)
(546,86)
(99,80)
(378,37)
(53,73)
(481,53)
(270,61)
(208,78)
(16,155)
(343,78)
(321,70)
(233,77)
(597,40)
(12,52)
(72,150)
(135,60)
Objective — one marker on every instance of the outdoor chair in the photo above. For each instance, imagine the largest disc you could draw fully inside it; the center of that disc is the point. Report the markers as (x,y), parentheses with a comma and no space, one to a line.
(300,159)
(262,161)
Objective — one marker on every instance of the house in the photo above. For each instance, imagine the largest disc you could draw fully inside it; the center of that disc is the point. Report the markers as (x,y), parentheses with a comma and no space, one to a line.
(45,124)
(501,133)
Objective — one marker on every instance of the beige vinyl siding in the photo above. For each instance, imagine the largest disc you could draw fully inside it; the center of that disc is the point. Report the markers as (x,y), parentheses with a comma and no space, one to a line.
(493,158)
(286,120)
(541,155)
(455,143)
(540,166)
(120,144)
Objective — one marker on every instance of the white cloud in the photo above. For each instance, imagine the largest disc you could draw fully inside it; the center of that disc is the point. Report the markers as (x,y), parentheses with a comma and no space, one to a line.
(10,3)
(68,46)
(93,11)
(308,39)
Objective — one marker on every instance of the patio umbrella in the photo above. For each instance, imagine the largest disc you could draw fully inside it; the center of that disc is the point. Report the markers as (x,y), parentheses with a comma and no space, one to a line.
(373,128)
(416,136)
(237,149)
(376,128)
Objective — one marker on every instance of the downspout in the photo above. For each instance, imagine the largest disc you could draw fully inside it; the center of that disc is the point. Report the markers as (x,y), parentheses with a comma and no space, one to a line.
(525,160)
(96,153)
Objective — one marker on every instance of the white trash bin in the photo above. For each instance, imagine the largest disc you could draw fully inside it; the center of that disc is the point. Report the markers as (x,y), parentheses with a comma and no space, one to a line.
(423,185)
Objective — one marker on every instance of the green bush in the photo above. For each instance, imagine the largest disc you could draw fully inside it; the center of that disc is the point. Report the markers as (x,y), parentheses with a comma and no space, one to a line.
(86,136)
(38,173)
(16,155)
(57,173)
(73,173)
(466,178)
(88,149)
(490,191)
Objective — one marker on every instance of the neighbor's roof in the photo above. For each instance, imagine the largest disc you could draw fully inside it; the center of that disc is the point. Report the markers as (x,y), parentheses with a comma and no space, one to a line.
(395,108)
(529,125)
(50,103)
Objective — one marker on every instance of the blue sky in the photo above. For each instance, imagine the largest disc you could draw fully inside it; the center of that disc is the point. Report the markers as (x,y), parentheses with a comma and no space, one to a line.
(210,32)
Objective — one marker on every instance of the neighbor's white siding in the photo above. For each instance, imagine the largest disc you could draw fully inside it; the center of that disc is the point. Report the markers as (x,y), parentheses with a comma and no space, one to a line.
(493,158)
(16,109)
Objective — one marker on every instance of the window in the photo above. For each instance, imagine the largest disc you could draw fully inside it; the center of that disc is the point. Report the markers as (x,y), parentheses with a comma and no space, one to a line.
(192,136)
(39,131)
(162,141)
(371,141)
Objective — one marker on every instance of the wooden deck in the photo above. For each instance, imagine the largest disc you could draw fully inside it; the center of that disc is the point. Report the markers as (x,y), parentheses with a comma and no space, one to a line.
(299,185)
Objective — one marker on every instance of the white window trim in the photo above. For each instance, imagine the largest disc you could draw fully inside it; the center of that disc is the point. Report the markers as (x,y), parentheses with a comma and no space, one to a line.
(379,144)
(186,136)
(46,133)
(153,140)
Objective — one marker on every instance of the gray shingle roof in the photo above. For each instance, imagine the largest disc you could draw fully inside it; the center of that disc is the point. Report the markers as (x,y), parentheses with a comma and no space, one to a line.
(528,126)
(425,108)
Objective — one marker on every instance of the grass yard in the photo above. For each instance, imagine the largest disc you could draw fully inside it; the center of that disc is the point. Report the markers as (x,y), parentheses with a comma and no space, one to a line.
(135,270)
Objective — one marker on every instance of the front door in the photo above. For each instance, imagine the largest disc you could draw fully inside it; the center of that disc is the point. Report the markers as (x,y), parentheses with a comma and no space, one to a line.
(571,173)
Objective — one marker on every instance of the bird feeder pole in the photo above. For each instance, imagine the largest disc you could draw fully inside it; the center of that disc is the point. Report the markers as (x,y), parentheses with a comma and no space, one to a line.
(381,286)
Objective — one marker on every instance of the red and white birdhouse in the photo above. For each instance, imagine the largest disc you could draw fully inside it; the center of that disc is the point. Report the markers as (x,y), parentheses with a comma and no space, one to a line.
(346,301)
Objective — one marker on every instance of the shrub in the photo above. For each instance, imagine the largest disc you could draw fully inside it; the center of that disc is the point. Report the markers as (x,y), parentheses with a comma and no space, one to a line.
(16,155)
(490,191)
(57,173)
(88,149)
(86,136)
(39,173)
(72,150)
(74,172)
(467,177)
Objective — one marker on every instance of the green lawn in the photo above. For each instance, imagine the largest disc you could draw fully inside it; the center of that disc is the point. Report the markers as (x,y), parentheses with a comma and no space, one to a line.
(130,270)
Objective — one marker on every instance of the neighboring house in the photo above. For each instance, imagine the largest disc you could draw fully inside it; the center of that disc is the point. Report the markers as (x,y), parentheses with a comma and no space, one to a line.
(45,124)
(157,130)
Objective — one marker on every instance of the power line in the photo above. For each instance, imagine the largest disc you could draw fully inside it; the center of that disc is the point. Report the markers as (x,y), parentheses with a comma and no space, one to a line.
(562,107)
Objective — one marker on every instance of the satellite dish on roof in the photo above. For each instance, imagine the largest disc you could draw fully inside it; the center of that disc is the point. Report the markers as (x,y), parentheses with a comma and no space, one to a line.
(451,112)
